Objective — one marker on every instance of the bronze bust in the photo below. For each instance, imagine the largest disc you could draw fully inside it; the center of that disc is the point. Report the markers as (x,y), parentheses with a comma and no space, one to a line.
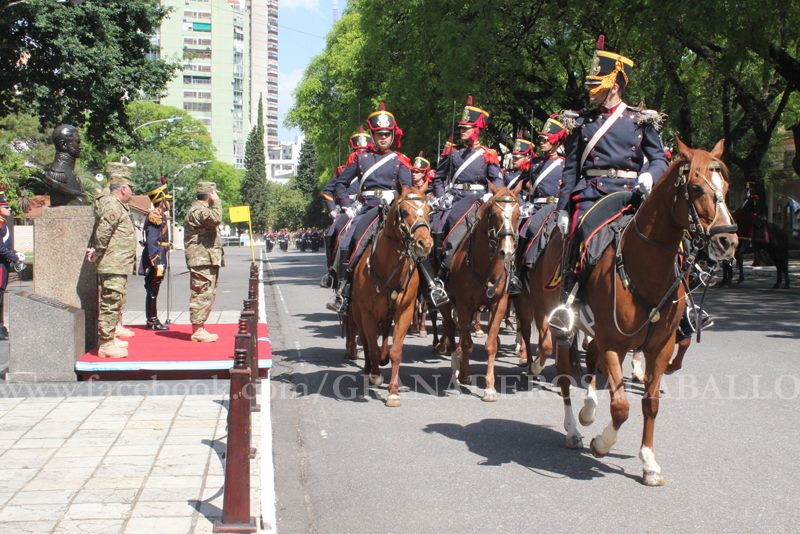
(64,185)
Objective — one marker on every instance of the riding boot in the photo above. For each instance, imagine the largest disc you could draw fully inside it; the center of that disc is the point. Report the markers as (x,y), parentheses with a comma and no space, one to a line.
(562,320)
(341,300)
(3,329)
(432,287)
(151,311)
(514,284)
(687,326)
(327,280)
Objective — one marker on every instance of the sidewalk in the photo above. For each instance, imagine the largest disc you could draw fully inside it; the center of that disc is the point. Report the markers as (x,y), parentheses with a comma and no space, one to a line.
(115,464)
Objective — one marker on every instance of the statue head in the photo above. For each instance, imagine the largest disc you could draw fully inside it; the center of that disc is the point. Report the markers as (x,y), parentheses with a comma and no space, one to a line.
(66,139)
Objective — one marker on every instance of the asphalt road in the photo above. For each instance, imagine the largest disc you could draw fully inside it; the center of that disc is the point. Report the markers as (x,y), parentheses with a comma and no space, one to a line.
(445,461)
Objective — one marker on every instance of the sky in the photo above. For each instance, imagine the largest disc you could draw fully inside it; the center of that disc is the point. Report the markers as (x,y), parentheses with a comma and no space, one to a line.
(302,27)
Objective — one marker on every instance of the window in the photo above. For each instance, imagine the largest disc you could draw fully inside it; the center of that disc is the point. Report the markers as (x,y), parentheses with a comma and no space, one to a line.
(197,106)
(197,80)
(201,26)
(202,95)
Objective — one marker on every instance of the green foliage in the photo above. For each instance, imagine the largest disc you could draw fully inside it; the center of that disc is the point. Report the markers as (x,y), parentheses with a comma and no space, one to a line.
(253,185)
(80,64)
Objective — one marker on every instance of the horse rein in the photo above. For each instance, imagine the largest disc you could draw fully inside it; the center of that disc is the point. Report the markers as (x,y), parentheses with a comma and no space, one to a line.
(699,234)
(496,236)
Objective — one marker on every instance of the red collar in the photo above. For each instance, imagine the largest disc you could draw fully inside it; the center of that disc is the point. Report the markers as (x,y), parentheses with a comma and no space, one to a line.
(609,111)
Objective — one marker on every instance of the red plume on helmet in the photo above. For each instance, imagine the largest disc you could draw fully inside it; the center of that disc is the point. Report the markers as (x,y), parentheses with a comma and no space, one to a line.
(553,131)
(473,117)
(601,42)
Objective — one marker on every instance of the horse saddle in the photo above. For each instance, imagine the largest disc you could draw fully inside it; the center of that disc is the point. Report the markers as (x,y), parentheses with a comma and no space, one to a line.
(457,233)
(538,230)
(602,225)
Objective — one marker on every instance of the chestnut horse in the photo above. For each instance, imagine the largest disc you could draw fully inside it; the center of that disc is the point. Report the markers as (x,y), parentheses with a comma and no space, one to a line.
(636,296)
(479,276)
(385,285)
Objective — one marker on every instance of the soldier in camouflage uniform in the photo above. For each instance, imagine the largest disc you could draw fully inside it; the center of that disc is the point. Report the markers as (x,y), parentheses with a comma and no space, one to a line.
(113,247)
(204,257)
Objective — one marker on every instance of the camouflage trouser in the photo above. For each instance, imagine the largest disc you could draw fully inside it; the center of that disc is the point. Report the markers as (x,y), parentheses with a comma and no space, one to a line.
(113,290)
(204,289)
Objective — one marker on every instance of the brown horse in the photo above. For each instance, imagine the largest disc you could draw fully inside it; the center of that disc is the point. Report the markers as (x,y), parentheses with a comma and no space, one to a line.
(385,285)
(635,294)
(479,276)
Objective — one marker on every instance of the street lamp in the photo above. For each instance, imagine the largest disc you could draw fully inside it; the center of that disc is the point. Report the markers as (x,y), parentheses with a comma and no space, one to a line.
(168,120)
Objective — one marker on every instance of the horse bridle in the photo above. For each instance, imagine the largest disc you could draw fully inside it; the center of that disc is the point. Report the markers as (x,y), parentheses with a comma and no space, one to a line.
(699,234)
(419,222)
(496,237)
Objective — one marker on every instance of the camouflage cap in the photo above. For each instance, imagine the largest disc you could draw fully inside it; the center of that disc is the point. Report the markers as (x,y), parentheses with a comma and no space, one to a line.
(206,187)
(119,172)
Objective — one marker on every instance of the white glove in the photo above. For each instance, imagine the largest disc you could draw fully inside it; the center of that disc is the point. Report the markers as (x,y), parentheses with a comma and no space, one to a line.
(563,222)
(433,202)
(387,196)
(486,197)
(350,211)
(526,210)
(334,213)
(645,182)
(20,256)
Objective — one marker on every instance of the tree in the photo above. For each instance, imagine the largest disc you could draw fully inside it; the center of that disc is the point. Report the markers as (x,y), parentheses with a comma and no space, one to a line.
(80,64)
(306,179)
(254,182)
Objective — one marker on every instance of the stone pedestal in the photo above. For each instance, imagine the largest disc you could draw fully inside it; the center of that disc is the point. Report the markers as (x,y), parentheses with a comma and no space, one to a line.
(48,337)
(61,271)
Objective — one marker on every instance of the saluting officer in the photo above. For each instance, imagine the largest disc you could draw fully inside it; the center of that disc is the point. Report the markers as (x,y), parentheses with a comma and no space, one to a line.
(374,174)
(359,142)
(611,147)
(461,179)
(154,254)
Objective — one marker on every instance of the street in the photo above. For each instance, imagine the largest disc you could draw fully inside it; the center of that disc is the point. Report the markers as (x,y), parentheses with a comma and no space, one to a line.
(445,461)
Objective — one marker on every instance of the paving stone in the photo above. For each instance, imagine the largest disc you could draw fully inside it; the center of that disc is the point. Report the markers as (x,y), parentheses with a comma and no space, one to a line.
(90,526)
(133,460)
(26,458)
(133,450)
(116,483)
(192,482)
(5,496)
(164,508)
(30,512)
(98,510)
(9,434)
(29,527)
(78,452)
(126,496)
(150,494)
(149,525)
(61,462)
(38,443)
(40,483)
(42,497)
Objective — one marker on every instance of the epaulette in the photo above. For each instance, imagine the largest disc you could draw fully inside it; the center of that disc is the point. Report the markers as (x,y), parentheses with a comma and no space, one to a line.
(350,159)
(338,170)
(490,156)
(404,160)
(568,118)
(154,218)
(649,116)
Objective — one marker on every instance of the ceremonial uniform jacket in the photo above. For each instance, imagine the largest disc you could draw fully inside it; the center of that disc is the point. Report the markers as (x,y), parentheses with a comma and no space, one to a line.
(201,235)
(156,242)
(550,183)
(332,200)
(393,171)
(114,238)
(8,256)
(479,171)
(624,146)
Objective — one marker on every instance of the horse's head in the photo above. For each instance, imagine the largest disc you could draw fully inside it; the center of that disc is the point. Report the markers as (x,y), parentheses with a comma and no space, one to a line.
(703,181)
(503,215)
(409,218)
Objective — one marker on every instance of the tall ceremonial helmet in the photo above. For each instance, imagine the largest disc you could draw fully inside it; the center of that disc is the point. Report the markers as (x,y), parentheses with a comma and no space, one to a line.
(607,68)
(421,164)
(384,121)
(360,140)
(159,193)
(553,130)
(522,146)
(473,117)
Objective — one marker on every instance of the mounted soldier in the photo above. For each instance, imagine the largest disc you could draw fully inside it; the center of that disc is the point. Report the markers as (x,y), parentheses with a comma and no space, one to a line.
(611,147)
(460,184)
(359,142)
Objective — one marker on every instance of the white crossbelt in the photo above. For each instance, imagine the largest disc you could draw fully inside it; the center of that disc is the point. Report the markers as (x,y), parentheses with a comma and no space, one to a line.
(380,163)
(601,132)
(478,153)
(555,163)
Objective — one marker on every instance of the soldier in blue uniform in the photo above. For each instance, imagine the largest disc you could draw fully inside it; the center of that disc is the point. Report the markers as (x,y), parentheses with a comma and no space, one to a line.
(359,142)
(611,147)
(9,258)
(154,254)
(374,174)
(460,182)
(543,185)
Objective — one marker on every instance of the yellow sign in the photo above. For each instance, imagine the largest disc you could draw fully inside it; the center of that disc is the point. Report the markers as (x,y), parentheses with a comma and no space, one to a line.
(239,214)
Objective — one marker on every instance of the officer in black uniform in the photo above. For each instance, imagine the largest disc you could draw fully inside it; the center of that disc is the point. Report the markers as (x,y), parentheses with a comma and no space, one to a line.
(9,258)
(611,147)
(460,181)
(153,266)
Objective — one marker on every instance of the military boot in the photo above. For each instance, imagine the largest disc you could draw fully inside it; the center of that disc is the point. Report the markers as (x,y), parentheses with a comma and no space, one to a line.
(514,284)
(3,332)
(121,343)
(562,319)
(121,331)
(109,349)
(152,314)
(327,280)
(432,287)
(341,300)
(201,335)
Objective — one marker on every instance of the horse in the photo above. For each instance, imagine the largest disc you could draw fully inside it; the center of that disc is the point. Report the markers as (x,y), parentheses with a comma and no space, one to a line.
(479,273)
(776,247)
(636,295)
(385,286)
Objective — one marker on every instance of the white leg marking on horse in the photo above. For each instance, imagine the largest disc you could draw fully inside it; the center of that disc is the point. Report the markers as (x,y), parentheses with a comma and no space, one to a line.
(574,438)
(638,369)
(648,458)
(589,410)
(603,442)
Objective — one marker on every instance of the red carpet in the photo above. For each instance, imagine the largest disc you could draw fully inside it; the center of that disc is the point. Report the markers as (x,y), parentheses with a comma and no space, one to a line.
(171,354)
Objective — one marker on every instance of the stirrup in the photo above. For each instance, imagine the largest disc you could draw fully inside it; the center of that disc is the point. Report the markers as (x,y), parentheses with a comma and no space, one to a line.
(514,286)
(326,282)
(339,304)
(438,297)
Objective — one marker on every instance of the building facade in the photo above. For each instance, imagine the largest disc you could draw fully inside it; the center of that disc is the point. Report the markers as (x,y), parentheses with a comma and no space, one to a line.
(212,41)
(282,159)
(264,66)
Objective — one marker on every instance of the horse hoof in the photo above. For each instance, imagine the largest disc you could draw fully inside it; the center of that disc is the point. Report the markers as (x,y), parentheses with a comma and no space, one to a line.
(596,453)
(671,368)
(652,479)
(375,380)
(573,442)
(351,357)
(393,400)
(462,379)
(489,395)
(522,361)
(585,420)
